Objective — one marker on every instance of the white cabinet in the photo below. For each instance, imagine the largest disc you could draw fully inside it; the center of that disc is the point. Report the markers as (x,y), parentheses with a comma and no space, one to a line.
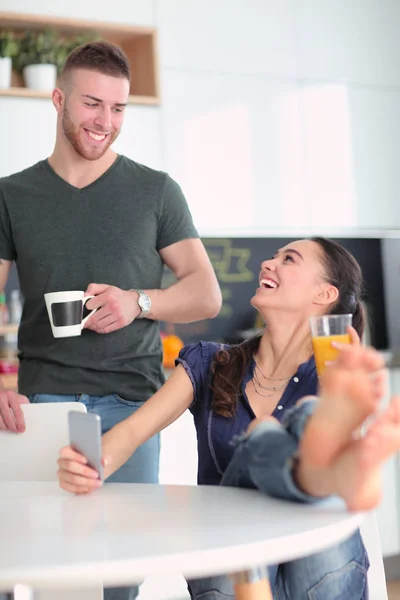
(328,145)
(348,41)
(140,137)
(375,130)
(135,12)
(178,453)
(32,140)
(228,36)
(351,155)
(387,513)
(235,147)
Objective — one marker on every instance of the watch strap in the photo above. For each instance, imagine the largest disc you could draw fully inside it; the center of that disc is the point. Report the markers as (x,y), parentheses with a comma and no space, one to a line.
(144,303)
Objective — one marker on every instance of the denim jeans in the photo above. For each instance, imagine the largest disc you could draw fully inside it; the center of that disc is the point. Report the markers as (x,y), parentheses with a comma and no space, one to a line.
(263,460)
(142,466)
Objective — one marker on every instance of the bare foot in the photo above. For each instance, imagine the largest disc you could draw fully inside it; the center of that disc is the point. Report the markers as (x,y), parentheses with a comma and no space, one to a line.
(350,391)
(358,470)
(355,476)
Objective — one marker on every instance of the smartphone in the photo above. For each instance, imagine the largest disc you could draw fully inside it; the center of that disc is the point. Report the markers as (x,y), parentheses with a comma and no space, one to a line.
(85,437)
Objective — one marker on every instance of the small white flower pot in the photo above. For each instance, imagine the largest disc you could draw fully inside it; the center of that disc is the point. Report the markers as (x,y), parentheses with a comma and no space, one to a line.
(5,72)
(40,77)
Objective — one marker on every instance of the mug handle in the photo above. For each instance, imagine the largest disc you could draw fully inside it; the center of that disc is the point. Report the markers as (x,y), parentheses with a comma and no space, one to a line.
(84,300)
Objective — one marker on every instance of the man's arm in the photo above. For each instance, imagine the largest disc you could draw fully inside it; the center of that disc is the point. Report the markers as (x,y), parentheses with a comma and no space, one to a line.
(11,415)
(5,266)
(196,294)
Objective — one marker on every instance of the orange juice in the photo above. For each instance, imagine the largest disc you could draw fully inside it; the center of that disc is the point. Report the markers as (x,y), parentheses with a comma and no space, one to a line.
(324,351)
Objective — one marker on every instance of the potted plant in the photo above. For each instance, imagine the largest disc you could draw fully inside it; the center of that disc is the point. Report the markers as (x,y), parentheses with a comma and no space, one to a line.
(8,51)
(37,59)
(68,44)
(42,55)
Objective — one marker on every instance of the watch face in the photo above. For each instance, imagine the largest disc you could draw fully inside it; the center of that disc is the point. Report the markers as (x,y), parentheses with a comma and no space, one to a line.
(144,302)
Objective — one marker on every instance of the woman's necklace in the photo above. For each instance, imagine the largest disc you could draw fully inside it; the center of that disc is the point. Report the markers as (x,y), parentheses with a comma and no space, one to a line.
(273,388)
(258,386)
(272,378)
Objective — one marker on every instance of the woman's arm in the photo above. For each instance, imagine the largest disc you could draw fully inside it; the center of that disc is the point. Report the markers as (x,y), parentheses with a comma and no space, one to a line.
(120,442)
(162,409)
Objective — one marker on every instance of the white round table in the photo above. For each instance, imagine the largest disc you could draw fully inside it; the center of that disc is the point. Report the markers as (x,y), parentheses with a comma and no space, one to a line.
(123,533)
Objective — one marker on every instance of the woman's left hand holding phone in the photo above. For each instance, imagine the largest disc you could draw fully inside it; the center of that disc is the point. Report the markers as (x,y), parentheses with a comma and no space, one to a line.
(74,474)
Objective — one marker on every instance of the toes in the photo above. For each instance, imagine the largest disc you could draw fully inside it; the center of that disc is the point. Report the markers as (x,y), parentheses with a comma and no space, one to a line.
(359,357)
(380,383)
(372,360)
(393,411)
(340,383)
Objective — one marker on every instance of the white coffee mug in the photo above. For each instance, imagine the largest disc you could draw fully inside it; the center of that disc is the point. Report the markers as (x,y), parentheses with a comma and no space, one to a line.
(65,310)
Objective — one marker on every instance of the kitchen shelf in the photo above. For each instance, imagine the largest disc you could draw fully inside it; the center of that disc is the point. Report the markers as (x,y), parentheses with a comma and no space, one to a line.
(24,92)
(139,44)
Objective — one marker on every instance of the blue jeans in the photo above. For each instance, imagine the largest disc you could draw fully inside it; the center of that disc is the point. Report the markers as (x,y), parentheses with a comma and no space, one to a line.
(264,460)
(142,466)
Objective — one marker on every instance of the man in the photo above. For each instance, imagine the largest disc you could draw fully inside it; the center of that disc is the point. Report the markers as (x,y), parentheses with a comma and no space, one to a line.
(87,218)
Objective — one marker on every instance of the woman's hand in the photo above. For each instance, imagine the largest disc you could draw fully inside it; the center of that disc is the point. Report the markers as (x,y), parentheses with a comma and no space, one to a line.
(354,340)
(344,347)
(354,337)
(73,473)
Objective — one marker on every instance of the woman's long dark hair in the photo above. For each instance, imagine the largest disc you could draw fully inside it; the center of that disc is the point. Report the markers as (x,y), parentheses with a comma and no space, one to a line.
(229,367)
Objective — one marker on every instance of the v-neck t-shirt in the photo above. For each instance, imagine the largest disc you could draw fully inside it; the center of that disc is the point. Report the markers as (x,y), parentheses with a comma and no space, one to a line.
(64,238)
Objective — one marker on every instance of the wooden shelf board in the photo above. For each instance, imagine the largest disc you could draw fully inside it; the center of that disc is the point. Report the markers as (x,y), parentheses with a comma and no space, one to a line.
(139,44)
(24,92)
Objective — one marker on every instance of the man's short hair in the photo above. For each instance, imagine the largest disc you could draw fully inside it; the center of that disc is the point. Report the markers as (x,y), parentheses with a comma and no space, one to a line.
(102,56)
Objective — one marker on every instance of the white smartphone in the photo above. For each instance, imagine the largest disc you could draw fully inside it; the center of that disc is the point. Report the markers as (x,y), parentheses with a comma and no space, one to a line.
(85,437)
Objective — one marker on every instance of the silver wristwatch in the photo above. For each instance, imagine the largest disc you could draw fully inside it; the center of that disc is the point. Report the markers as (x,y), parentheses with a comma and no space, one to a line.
(144,303)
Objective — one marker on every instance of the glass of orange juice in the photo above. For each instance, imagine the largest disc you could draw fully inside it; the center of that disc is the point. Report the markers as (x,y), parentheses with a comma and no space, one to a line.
(326,329)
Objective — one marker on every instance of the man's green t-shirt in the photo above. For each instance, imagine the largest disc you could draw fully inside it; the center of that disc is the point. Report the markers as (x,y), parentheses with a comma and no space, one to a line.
(64,238)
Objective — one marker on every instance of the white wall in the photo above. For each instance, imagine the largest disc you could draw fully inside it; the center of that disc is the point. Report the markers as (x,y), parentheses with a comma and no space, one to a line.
(299,97)
(284,111)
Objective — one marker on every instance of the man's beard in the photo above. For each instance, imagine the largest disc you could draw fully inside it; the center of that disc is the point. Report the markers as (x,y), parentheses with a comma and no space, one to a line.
(72,135)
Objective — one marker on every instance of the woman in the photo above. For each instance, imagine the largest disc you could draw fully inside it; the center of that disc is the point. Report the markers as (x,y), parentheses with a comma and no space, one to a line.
(227,388)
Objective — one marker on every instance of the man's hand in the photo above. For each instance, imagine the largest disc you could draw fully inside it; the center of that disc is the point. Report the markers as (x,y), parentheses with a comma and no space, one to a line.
(116,308)
(11,415)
